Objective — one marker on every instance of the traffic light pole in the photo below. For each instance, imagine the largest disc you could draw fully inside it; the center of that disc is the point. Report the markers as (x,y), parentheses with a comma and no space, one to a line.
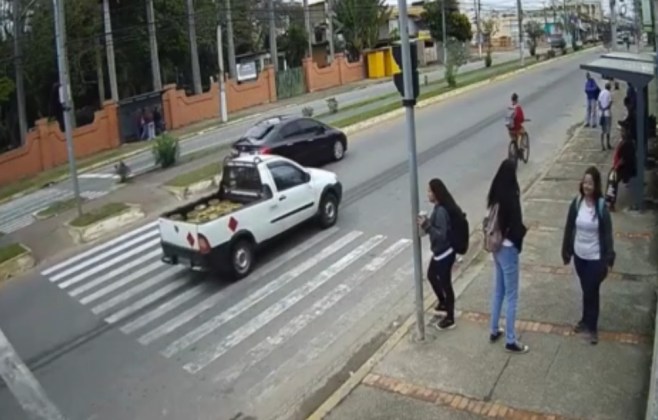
(409,102)
(65,96)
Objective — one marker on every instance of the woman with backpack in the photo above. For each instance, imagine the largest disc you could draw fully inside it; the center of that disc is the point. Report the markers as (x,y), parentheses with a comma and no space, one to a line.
(504,233)
(440,230)
(589,241)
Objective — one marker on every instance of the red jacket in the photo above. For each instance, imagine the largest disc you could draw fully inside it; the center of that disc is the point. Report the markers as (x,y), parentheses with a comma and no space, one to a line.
(519,117)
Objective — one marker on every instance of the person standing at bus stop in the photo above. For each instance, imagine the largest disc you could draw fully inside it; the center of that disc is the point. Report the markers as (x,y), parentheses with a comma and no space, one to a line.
(592,91)
(605,107)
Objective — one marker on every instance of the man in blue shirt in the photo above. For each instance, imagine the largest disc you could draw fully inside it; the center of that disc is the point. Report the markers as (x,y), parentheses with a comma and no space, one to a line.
(592,92)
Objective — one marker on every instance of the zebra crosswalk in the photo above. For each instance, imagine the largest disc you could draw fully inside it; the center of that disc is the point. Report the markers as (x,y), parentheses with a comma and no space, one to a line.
(185,316)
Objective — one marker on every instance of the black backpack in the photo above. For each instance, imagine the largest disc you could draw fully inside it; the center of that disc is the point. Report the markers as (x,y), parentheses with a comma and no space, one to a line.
(459,231)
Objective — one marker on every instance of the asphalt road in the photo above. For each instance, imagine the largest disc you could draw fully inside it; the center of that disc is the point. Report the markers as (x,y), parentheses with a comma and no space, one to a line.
(114,334)
(17,214)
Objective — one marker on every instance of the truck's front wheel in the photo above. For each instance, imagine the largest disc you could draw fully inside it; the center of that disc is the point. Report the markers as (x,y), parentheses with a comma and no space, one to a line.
(242,258)
(328,212)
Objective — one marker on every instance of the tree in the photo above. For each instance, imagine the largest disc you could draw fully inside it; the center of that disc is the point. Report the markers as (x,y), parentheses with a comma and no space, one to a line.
(458,53)
(360,21)
(489,30)
(534,31)
(458,26)
(294,43)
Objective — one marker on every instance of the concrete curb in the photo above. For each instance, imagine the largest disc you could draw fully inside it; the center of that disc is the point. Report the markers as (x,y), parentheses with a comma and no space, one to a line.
(455,92)
(652,400)
(460,286)
(97,230)
(182,193)
(17,265)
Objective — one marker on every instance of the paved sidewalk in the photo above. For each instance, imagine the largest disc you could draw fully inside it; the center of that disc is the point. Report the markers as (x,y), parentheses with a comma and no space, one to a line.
(458,374)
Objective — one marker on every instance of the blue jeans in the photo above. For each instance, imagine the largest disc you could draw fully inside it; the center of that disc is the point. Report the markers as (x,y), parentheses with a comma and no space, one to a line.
(506,286)
(592,108)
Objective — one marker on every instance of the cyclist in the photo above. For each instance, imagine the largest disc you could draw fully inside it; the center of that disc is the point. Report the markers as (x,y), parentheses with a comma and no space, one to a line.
(515,121)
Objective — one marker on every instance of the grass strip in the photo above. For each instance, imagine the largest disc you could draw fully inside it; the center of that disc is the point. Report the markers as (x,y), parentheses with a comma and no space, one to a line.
(203,173)
(101,213)
(7,252)
(58,207)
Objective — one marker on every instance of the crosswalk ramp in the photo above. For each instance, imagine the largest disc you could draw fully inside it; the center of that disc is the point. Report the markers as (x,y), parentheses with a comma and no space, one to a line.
(309,293)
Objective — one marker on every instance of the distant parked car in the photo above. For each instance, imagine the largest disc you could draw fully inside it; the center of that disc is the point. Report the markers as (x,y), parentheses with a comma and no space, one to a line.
(557,41)
(305,140)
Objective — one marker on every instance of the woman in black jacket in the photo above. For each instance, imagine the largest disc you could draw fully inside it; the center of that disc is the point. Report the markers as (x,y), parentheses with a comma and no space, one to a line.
(588,239)
(505,195)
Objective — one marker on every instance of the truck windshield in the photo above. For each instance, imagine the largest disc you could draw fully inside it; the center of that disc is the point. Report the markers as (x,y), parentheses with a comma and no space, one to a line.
(241,179)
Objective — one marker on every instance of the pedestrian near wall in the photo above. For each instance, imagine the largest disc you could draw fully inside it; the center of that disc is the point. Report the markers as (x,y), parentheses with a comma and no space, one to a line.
(438,226)
(588,240)
(504,234)
(592,91)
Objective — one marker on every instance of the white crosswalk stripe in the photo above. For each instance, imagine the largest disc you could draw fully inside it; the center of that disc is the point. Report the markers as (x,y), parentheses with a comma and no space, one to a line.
(201,324)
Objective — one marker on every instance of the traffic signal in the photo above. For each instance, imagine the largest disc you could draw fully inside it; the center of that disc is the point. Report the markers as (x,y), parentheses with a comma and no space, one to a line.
(397,77)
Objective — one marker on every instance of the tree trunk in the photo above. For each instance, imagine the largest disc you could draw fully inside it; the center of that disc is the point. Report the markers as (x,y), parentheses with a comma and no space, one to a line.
(18,64)
(194,53)
(100,74)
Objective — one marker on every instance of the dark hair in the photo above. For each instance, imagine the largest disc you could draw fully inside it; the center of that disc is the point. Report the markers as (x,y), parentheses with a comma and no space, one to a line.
(608,86)
(442,194)
(596,178)
(515,97)
(505,186)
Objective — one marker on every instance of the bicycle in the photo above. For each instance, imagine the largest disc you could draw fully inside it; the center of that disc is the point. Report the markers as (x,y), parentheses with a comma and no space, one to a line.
(514,152)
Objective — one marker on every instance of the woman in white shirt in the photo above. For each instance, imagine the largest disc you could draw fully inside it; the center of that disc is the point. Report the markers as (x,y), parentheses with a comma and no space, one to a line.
(588,240)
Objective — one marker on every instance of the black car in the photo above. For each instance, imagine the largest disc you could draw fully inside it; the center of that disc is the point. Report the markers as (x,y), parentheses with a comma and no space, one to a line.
(304,140)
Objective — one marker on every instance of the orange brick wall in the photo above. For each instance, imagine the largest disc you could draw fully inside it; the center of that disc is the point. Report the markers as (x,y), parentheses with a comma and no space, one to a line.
(339,72)
(350,72)
(45,145)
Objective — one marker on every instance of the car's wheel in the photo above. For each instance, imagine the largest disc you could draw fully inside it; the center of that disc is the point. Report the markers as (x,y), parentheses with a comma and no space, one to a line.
(328,211)
(242,258)
(338,150)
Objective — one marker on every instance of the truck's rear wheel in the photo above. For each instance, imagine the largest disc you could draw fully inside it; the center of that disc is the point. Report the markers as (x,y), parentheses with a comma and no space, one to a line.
(328,212)
(242,258)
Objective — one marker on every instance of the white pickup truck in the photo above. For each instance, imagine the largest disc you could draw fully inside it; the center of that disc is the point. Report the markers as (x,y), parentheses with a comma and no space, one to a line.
(259,198)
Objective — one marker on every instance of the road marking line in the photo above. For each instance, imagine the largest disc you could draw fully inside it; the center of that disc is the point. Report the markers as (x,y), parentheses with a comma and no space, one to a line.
(97,249)
(97,175)
(162,309)
(243,305)
(264,271)
(124,281)
(23,385)
(117,271)
(275,310)
(109,263)
(320,343)
(135,290)
(258,353)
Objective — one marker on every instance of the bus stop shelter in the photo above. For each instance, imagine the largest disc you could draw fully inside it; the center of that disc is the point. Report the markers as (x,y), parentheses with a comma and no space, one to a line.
(638,71)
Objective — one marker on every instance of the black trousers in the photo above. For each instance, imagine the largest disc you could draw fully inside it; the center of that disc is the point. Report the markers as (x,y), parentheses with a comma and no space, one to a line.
(591,274)
(439,274)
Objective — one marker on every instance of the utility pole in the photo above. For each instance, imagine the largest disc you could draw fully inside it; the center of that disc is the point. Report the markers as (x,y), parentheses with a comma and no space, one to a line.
(444,30)
(330,14)
(65,95)
(153,44)
(613,25)
(310,34)
(274,53)
(109,49)
(566,19)
(222,85)
(232,66)
(476,6)
(194,52)
(18,64)
(519,12)
(409,102)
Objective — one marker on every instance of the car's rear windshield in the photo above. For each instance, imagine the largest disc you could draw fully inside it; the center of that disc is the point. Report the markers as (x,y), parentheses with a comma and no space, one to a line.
(261,130)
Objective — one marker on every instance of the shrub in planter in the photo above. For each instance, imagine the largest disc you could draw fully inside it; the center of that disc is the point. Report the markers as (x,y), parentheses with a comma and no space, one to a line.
(166,150)
(332,104)
(550,54)
(564,51)
(487,59)
(307,111)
